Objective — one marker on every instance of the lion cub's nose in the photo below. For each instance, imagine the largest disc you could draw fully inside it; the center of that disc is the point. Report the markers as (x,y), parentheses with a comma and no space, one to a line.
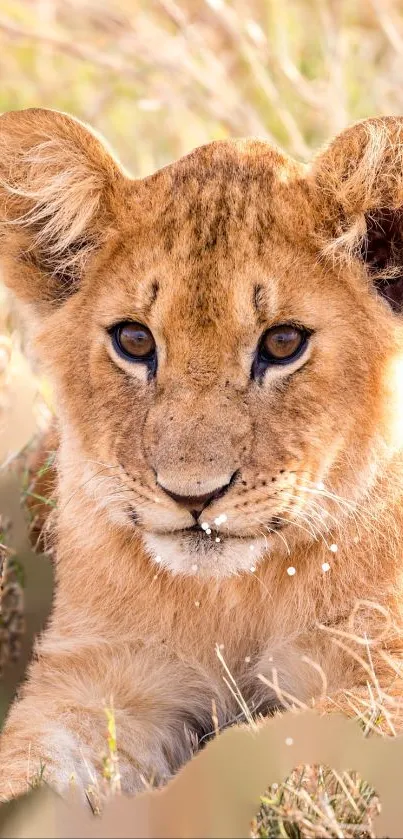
(196,503)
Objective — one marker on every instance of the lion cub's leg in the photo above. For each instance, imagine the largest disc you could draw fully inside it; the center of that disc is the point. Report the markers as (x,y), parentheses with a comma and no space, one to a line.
(58,728)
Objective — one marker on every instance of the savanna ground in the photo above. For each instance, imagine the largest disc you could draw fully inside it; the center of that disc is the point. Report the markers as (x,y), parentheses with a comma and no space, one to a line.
(158,77)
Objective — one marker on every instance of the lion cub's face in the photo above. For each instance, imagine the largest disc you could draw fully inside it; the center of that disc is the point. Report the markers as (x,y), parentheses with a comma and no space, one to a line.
(223,380)
(217,370)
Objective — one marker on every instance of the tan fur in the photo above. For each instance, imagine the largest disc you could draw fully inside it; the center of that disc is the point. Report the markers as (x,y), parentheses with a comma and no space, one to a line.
(208,253)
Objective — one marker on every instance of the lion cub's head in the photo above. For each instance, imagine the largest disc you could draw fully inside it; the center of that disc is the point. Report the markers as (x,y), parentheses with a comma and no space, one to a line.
(221,334)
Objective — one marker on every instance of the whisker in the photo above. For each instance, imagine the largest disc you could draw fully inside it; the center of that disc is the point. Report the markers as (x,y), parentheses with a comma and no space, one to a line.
(351,509)
(316,532)
(283,539)
(81,486)
(300,526)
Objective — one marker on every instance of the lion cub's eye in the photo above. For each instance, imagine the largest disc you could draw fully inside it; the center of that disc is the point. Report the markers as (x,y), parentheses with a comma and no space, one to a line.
(280,345)
(133,341)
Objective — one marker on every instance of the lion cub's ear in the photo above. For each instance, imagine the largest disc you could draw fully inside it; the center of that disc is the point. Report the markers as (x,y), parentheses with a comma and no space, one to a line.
(57,182)
(359,180)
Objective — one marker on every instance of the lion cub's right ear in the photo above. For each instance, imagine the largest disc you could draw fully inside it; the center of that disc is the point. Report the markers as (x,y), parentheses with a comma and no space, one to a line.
(57,188)
(359,195)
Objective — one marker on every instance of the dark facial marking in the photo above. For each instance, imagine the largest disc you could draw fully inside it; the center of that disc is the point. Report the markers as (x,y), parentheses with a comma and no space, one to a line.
(154,292)
(257,298)
(212,200)
(276,524)
(135,518)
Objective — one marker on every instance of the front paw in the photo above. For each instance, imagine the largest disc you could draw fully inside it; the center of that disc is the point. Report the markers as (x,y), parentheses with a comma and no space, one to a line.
(59,761)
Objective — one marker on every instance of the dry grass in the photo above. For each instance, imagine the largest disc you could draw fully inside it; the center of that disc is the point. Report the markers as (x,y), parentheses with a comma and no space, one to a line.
(11,601)
(159,77)
(315,801)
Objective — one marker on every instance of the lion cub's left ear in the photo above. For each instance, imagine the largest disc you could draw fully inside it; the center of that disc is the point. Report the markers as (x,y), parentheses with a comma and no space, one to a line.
(57,187)
(359,187)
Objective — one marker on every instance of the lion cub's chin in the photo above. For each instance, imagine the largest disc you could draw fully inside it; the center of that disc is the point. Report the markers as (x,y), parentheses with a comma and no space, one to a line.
(198,554)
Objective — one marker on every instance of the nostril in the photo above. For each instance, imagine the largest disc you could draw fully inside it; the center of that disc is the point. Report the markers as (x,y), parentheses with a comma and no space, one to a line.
(197,503)
(194,503)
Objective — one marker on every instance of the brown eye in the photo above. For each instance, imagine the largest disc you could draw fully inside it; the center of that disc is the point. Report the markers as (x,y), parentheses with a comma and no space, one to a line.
(282,343)
(134,341)
(279,345)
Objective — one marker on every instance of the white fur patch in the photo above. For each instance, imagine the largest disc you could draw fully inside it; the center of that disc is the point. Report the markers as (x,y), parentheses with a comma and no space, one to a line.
(203,556)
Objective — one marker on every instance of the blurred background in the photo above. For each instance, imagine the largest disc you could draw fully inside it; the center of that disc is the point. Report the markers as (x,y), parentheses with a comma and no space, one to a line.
(157,78)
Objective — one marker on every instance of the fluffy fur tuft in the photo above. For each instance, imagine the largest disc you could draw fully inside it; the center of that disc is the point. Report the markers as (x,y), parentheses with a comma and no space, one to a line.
(360,174)
(53,194)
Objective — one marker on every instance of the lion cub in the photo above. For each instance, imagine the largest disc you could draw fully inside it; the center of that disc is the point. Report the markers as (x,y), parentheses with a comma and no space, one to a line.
(226,348)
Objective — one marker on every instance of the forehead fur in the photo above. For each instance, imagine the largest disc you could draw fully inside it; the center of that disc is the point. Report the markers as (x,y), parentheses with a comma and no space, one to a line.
(221,190)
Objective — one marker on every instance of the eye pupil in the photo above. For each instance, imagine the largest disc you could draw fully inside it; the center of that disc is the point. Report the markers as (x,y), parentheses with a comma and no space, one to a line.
(134,341)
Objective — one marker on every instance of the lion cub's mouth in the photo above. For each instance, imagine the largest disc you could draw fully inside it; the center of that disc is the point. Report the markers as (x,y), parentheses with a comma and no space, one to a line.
(206,551)
(208,531)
